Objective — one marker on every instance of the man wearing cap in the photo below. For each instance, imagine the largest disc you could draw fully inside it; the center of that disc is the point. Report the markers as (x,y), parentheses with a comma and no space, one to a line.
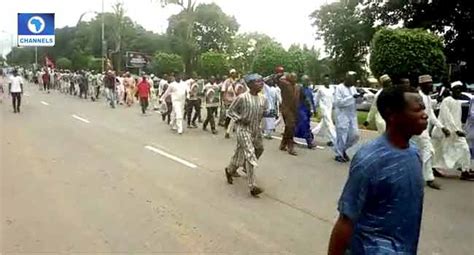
(347,130)
(227,97)
(452,152)
(386,82)
(423,141)
(247,112)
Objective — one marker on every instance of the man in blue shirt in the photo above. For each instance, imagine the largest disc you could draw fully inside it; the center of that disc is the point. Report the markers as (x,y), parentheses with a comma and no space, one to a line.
(382,201)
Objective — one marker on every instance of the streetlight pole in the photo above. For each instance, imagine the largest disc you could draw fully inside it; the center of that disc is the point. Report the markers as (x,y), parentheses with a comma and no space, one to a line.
(103,38)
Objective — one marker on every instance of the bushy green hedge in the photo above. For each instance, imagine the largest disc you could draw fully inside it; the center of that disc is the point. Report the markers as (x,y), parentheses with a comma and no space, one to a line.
(407,53)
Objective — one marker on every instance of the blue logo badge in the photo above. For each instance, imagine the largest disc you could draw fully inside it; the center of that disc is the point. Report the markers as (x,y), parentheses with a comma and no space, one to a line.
(36,29)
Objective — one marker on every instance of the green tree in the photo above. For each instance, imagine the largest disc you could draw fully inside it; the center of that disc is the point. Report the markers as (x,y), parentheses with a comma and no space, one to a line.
(21,56)
(346,33)
(196,30)
(213,63)
(213,29)
(407,53)
(268,57)
(454,20)
(244,49)
(165,63)
(63,63)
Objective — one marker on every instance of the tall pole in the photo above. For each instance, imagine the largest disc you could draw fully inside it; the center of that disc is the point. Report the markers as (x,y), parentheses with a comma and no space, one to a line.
(36,57)
(103,38)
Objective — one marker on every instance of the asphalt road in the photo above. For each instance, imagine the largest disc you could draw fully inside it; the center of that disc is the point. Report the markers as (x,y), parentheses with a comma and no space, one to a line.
(79,177)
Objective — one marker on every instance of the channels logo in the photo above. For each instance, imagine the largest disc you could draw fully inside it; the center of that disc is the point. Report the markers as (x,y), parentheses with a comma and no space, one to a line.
(36,24)
(36,29)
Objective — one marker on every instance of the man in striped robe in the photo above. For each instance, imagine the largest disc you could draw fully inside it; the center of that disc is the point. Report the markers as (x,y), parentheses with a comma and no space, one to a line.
(247,113)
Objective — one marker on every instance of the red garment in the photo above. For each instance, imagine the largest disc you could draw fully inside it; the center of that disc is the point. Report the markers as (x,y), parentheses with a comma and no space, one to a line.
(45,77)
(143,89)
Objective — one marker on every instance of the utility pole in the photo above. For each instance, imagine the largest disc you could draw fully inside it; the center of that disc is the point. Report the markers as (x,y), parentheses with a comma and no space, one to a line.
(103,39)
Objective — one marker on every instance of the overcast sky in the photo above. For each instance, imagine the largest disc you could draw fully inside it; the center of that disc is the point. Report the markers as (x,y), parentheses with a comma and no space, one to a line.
(285,20)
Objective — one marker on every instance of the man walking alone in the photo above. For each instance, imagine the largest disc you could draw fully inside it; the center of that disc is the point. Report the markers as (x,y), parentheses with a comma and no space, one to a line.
(15,88)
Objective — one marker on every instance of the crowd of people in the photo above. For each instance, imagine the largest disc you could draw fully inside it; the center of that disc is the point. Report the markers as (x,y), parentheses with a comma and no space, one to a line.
(386,175)
(289,102)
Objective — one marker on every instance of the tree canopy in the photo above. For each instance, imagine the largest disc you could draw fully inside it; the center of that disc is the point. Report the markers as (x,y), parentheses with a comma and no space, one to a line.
(407,53)
(213,63)
(165,63)
(454,20)
(346,34)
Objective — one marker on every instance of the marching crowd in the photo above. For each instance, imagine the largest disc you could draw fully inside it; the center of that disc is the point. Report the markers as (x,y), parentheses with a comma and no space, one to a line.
(285,102)
(381,203)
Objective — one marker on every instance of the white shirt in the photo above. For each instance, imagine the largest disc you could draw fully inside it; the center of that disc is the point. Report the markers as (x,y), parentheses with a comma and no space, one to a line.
(177,91)
(325,97)
(16,84)
(432,119)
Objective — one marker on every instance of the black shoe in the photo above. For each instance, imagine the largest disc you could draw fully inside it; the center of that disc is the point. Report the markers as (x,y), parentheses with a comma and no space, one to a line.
(214,132)
(433,185)
(438,173)
(254,191)
(228,176)
(340,159)
(194,125)
(467,176)
(346,157)
(204,128)
(227,136)
(330,144)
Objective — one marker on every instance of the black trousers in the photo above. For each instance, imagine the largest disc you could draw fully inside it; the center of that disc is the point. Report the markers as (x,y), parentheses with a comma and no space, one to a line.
(83,91)
(210,117)
(71,88)
(144,104)
(16,101)
(46,85)
(196,105)
(167,114)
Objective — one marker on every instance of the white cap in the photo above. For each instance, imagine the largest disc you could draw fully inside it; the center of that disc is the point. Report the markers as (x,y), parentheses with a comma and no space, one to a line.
(455,84)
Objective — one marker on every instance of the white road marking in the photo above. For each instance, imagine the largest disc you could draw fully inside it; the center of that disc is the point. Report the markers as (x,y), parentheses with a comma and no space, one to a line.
(81,119)
(43,102)
(172,157)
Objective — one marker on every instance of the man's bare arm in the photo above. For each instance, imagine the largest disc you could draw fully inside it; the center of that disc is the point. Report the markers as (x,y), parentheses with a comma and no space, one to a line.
(340,236)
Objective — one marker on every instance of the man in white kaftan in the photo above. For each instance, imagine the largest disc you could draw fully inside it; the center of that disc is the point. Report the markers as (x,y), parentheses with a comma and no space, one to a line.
(423,141)
(177,90)
(452,152)
(324,100)
(347,130)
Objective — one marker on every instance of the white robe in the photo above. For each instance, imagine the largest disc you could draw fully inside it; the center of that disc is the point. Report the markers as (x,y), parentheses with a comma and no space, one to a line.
(347,130)
(450,152)
(324,100)
(374,113)
(423,141)
(178,99)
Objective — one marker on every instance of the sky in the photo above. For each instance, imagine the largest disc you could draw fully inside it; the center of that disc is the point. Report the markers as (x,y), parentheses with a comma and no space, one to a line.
(287,21)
